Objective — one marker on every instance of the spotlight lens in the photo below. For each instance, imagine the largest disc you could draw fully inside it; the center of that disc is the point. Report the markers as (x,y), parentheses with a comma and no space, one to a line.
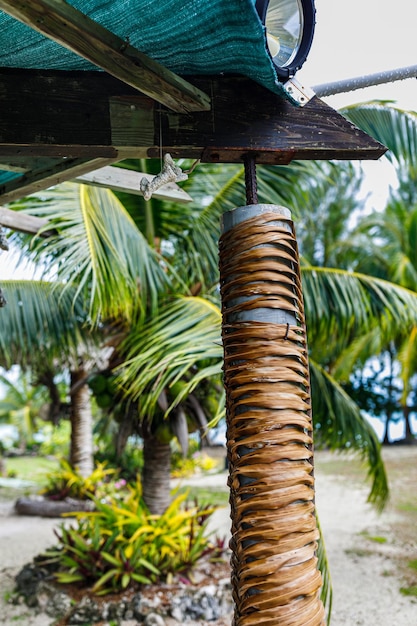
(284,30)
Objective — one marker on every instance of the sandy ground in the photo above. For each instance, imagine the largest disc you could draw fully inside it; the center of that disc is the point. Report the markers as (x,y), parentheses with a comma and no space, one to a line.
(364,574)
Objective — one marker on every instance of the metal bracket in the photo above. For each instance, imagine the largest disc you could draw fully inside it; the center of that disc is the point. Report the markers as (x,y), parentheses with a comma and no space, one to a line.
(297,92)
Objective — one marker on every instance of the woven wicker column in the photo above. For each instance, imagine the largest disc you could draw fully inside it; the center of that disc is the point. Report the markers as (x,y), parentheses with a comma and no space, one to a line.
(269,430)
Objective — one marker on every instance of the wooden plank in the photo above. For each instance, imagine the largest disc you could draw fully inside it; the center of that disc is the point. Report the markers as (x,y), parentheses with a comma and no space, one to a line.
(21,222)
(120,179)
(37,180)
(65,113)
(21,164)
(62,114)
(72,29)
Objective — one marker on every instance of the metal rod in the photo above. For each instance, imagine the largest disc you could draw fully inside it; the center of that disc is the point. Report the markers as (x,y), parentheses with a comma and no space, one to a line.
(360,82)
(250,179)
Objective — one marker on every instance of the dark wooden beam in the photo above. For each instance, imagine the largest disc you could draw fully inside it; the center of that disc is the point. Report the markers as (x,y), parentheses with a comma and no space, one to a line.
(90,114)
(72,29)
(57,171)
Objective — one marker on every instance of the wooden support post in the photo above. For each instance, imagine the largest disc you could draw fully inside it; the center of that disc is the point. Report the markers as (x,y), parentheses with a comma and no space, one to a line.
(275,578)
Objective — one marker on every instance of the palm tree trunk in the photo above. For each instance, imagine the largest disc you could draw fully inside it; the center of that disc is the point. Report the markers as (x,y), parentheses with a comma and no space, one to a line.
(46,377)
(385,439)
(390,399)
(126,428)
(156,474)
(409,437)
(81,451)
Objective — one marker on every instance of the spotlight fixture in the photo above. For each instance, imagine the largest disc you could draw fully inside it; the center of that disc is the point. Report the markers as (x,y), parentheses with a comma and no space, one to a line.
(289,26)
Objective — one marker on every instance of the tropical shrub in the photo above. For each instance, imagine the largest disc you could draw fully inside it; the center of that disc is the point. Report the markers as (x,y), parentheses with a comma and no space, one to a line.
(121,543)
(129,464)
(192,464)
(66,482)
(56,439)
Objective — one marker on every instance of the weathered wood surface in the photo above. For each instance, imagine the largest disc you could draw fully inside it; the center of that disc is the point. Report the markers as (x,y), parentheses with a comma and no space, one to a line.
(61,22)
(22,222)
(121,179)
(55,126)
(79,113)
(55,173)
(42,507)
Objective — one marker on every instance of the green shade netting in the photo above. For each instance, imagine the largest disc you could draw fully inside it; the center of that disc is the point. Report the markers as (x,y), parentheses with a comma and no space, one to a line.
(6,176)
(186,36)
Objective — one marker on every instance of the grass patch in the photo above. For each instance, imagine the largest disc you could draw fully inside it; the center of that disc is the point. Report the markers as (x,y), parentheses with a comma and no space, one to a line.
(361,552)
(375,538)
(413,564)
(31,468)
(341,464)
(407,507)
(204,495)
(409,591)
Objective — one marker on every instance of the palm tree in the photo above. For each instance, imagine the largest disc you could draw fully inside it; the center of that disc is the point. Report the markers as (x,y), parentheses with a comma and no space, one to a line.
(44,329)
(131,259)
(390,237)
(127,279)
(21,406)
(133,279)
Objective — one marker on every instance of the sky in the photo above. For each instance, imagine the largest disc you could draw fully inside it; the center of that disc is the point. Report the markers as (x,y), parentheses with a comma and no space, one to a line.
(362,37)
(351,39)
(359,38)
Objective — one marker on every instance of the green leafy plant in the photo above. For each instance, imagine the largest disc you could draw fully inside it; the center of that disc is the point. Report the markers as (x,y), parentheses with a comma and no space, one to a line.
(190,465)
(56,439)
(67,482)
(121,543)
(129,464)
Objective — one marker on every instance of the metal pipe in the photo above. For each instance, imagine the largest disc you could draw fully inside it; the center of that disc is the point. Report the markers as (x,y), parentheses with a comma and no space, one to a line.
(361,82)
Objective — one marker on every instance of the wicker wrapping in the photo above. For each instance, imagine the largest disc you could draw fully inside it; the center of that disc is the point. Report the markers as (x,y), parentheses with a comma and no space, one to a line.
(275,578)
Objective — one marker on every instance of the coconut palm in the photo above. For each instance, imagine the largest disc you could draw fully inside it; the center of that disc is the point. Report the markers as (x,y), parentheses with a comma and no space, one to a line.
(21,406)
(44,329)
(389,237)
(134,279)
(126,279)
(130,259)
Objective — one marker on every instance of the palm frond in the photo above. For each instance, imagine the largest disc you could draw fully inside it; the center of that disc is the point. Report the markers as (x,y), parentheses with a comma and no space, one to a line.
(392,126)
(340,425)
(407,357)
(41,321)
(324,567)
(348,304)
(185,333)
(362,348)
(98,248)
